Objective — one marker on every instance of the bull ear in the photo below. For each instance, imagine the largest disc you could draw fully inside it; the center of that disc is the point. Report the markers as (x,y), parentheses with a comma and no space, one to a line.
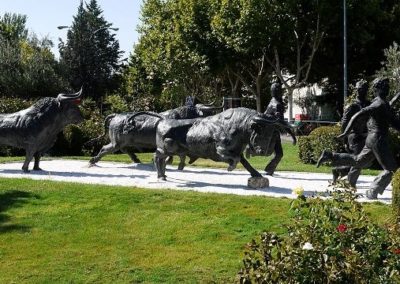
(70,97)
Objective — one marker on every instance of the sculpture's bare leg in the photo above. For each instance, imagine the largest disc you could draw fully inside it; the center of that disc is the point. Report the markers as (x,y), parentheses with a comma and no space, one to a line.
(37,161)
(169,160)
(253,172)
(107,149)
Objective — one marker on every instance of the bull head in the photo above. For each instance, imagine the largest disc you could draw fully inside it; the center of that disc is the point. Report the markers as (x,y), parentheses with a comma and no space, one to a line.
(282,125)
(76,98)
(262,141)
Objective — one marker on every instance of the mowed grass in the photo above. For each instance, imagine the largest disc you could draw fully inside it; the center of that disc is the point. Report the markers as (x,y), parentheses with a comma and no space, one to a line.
(52,232)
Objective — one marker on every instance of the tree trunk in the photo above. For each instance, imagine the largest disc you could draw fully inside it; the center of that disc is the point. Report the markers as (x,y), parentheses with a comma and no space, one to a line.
(258,94)
(290,104)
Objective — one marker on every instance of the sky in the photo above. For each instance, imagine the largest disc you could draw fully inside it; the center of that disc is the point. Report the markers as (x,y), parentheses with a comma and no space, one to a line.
(43,17)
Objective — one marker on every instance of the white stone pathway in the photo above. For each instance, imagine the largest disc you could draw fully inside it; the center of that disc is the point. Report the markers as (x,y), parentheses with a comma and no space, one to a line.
(196,179)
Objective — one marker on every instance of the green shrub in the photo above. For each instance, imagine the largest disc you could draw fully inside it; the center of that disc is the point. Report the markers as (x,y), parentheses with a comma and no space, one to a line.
(305,149)
(71,141)
(396,195)
(116,104)
(321,138)
(10,105)
(394,140)
(324,138)
(329,241)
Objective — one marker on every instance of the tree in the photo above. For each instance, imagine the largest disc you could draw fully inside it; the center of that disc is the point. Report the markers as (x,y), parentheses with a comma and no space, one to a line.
(391,67)
(235,47)
(369,30)
(91,53)
(27,66)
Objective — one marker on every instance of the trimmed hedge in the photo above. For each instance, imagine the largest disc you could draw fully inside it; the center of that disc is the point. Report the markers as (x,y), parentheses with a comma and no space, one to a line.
(305,149)
(321,138)
(396,194)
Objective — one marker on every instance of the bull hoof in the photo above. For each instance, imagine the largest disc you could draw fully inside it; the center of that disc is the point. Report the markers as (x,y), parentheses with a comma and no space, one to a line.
(231,167)
(26,170)
(163,178)
(258,182)
(37,169)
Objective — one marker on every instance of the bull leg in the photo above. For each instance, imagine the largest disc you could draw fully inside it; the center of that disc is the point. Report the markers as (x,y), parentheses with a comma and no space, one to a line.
(134,158)
(232,165)
(28,158)
(132,155)
(107,149)
(160,163)
(37,161)
(253,172)
(192,160)
(182,163)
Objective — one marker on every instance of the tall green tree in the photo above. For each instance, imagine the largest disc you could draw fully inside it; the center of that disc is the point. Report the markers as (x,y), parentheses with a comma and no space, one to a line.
(27,65)
(235,47)
(91,53)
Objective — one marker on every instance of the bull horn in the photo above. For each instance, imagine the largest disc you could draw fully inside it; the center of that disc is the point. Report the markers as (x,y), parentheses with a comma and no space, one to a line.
(70,97)
(259,119)
(209,104)
(208,107)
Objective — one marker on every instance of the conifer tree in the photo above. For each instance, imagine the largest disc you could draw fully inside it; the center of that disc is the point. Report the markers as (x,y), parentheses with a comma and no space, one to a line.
(91,53)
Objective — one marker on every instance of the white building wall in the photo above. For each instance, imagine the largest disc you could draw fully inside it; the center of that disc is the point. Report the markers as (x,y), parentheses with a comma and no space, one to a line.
(324,112)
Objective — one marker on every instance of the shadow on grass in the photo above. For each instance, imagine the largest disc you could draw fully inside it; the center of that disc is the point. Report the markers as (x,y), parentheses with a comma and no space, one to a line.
(10,199)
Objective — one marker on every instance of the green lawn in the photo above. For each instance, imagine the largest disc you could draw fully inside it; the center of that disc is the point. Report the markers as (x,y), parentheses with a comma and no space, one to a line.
(52,232)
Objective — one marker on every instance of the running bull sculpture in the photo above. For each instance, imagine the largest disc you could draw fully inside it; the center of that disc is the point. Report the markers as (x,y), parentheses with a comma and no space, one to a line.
(221,137)
(129,133)
(35,129)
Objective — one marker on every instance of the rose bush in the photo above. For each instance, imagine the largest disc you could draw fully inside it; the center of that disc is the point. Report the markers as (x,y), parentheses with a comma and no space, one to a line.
(330,240)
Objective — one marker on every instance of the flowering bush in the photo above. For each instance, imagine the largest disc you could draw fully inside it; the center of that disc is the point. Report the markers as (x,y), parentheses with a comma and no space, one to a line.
(298,191)
(330,241)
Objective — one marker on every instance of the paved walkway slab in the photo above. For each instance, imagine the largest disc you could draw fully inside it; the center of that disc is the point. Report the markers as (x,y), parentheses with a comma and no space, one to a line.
(196,179)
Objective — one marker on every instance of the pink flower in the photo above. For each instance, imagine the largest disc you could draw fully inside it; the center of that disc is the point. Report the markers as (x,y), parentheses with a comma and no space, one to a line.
(396,251)
(341,228)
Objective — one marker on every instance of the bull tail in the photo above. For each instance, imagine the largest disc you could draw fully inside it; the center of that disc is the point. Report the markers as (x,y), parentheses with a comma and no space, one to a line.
(106,126)
(146,113)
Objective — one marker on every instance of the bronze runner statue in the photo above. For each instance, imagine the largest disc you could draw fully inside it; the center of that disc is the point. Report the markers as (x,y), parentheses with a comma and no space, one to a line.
(276,109)
(356,139)
(380,117)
